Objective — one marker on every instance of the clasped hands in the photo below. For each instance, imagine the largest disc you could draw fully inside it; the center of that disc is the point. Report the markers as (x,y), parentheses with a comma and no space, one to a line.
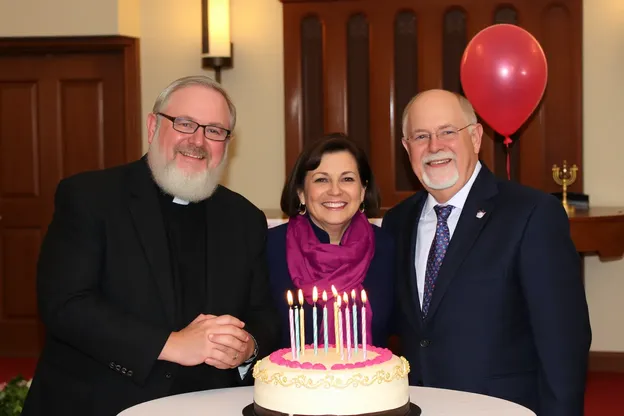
(219,341)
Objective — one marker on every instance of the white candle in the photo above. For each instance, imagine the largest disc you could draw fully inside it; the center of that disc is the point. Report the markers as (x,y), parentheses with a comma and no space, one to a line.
(347,325)
(355,325)
(292,326)
(364,322)
(296,333)
(314,323)
(325,326)
(339,301)
(302,322)
(337,341)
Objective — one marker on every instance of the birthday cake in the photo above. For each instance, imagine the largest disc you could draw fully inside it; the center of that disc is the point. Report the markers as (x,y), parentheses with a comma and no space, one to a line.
(370,382)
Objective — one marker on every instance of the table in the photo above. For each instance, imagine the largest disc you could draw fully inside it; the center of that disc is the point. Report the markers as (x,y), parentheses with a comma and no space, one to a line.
(599,230)
(230,402)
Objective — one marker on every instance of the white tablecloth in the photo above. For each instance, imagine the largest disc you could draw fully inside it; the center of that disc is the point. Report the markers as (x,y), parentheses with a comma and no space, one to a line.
(230,402)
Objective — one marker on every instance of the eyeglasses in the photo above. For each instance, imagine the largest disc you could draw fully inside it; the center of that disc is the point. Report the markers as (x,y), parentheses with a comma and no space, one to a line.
(183,125)
(446,133)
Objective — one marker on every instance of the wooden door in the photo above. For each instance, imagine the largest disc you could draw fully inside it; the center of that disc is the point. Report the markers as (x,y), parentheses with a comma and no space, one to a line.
(60,114)
(353,65)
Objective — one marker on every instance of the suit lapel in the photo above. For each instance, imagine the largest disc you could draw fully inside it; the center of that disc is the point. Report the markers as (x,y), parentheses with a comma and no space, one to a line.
(149,224)
(480,200)
(410,291)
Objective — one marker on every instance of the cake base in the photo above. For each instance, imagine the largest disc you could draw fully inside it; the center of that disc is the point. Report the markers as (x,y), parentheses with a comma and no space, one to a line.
(410,409)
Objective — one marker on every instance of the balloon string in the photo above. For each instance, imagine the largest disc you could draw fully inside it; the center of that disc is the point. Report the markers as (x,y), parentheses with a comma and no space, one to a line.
(507,142)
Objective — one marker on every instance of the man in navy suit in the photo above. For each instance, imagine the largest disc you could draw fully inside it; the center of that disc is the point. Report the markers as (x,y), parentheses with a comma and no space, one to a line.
(489,294)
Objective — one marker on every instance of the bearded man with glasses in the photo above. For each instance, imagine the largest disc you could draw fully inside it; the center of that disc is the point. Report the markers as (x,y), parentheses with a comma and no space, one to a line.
(489,292)
(152,278)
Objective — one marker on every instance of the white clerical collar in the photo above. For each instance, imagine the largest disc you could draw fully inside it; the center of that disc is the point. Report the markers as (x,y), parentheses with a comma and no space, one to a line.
(459,199)
(180,201)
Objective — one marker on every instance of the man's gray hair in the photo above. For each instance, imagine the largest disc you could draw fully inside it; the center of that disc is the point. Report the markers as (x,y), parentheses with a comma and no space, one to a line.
(466,107)
(201,80)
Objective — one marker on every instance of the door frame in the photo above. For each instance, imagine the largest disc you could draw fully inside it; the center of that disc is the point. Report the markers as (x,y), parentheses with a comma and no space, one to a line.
(127,46)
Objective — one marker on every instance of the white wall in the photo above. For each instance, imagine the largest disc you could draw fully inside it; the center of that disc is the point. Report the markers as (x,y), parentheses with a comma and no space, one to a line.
(603,152)
(170,48)
(63,18)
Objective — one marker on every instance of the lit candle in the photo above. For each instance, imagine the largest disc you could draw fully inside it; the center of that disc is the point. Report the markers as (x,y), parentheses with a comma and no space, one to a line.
(325,328)
(314,324)
(364,322)
(302,322)
(355,325)
(296,333)
(347,324)
(292,327)
(337,342)
(339,301)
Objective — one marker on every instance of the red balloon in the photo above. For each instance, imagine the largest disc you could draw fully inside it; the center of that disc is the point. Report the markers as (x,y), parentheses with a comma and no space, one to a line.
(504,73)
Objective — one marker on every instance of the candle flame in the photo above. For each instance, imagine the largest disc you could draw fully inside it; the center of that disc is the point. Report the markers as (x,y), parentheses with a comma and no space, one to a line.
(325,296)
(363,296)
(353,294)
(300,297)
(314,294)
(345,298)
(290,298)
(339,301)
(334,291)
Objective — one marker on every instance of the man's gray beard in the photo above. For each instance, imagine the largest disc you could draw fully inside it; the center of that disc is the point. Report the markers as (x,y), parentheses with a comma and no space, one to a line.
(193,187)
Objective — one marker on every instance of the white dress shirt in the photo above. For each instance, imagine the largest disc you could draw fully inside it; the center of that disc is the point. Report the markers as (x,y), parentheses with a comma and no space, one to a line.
(427,227)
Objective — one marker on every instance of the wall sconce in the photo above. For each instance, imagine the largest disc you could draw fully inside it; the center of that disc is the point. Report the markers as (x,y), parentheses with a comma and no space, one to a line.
(216,44)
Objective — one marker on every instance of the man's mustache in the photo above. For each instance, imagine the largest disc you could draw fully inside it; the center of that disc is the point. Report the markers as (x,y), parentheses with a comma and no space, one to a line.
(191,150)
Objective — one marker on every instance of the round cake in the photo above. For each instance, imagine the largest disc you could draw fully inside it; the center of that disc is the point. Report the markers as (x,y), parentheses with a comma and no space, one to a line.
(332,384)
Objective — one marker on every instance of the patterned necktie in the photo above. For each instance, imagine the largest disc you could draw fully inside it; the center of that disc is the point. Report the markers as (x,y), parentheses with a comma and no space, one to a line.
(436,253)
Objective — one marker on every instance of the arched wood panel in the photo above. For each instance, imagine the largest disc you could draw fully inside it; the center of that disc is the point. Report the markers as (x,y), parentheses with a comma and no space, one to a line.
(355,67)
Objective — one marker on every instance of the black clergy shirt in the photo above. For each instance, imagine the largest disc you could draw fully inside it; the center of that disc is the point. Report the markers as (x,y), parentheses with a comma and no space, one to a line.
(186,235)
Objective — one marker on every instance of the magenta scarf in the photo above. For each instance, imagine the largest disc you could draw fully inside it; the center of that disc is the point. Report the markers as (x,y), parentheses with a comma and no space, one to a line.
(312,263)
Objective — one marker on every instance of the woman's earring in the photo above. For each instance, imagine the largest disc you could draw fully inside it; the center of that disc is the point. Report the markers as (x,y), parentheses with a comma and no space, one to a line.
(302,209)
(362,208)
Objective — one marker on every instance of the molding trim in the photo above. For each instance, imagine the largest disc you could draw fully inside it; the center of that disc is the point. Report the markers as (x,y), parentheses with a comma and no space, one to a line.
(606,362)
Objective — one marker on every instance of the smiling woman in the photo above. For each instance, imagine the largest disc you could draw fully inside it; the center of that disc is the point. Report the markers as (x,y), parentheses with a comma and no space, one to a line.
(333,193)
(328,240)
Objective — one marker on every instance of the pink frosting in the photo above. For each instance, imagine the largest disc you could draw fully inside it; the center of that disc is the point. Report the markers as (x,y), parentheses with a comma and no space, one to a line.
(277,357)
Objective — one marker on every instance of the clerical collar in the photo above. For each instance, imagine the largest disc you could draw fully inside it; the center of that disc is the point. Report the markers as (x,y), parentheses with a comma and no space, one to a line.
(180,201)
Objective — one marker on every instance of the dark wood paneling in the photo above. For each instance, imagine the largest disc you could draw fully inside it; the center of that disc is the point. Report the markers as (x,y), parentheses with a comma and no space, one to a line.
(312,78)
(509,15)
(20,251)
(402,63)
(81,111)
(405,87)
(19,144)
(560,134)
(358,80)
(454,43)
(66,105)
(127,47)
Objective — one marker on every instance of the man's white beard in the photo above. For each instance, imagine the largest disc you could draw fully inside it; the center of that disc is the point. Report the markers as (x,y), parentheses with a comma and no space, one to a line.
(192,187)
(436,183)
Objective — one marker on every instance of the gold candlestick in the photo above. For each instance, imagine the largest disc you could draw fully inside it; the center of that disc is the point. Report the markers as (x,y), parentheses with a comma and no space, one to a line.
(565,177)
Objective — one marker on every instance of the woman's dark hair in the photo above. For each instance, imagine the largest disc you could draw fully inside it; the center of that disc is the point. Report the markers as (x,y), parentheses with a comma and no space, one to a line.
(310,159)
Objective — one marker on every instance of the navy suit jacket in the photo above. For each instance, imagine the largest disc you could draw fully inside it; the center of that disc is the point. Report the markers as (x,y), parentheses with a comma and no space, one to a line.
(379,285)
(508,317)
